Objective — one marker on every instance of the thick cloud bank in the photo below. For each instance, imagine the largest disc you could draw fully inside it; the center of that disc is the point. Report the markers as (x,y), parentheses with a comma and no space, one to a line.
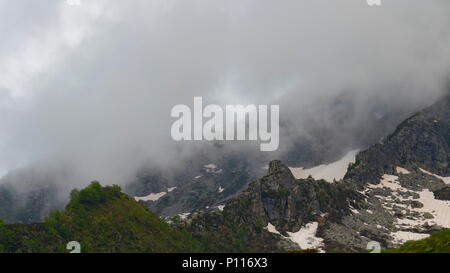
(93,84)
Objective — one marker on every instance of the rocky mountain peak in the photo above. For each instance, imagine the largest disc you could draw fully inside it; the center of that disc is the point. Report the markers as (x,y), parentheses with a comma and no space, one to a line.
(277,166)
(280,172)
(421,141)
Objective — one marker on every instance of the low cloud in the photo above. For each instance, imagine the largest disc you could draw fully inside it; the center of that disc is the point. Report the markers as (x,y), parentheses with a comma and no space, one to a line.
(93,85)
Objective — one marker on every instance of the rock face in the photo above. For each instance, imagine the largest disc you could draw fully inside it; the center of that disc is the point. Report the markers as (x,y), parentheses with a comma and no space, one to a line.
(402,183)
(396,191)
(422,141)
(204,190)
(287,203)
(201,185)
(275,207)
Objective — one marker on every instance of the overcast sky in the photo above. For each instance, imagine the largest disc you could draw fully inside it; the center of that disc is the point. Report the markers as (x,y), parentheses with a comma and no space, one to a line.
(94,83)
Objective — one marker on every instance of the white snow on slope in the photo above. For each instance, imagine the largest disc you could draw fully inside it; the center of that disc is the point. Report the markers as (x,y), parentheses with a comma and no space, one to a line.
(387,181)
(353,210)
(305,237)
(151,197)
(272,229)
(212,168)
(401,237)
(439,209)
(445,179)
(184,215)
(402,170)
(335,170)
(154,196)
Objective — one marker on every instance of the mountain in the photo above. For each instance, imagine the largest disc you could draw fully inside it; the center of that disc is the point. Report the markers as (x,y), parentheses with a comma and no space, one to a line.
(403,181)
(201,187)
(421,141)
(102,219)
(26,207)
(188,184)
(28,194)
(277,203)
(396,191)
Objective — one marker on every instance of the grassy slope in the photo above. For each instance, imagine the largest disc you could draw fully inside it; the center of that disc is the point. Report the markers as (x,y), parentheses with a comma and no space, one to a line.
(102,220)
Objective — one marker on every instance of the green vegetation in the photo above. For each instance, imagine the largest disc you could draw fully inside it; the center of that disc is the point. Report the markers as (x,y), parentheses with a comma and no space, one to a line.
(438,242)
(102,219)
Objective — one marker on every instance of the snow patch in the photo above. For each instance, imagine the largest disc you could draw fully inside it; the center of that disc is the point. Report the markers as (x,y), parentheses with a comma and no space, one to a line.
(445,179)
(438,208)
(212,168)
(306,237)
(401,170)
(272,229)
(387,181)
(151,197)
(328,172)
(401,237)
(184,215)
(416,218)
(154,196)
(353,210)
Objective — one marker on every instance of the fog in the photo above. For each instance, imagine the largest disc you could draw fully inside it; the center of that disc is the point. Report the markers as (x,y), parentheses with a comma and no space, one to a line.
(93,84)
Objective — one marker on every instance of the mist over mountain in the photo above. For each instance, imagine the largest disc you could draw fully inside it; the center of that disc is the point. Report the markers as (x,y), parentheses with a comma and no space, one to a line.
(395,195)
(90,87)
